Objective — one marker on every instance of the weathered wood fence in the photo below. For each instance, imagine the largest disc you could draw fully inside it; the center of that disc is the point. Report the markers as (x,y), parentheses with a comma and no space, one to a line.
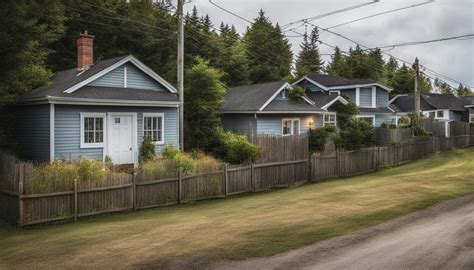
(387,136)
(19,203)
(437,128)
(281,148)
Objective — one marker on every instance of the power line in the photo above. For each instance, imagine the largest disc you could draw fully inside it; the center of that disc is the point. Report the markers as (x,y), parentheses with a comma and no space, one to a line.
(379,14)
(329,13)
(230,12)
(388,54)
(422,42)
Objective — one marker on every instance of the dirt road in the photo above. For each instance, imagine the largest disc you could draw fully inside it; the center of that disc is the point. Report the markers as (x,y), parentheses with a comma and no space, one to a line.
(440,237)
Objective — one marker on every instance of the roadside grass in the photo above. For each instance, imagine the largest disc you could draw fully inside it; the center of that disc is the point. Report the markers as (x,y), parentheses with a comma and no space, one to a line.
(241,227)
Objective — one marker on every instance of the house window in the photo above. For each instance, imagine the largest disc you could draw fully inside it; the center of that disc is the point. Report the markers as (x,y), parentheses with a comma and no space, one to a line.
(283,94)
(432,115)
(153,127)
(329,120)
(291,126)
(92,130)
(471,118)
(335,93)
(368,118)
(439,114)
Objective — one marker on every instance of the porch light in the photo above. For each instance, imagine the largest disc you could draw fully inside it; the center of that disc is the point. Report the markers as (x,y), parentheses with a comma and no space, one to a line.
(311,122)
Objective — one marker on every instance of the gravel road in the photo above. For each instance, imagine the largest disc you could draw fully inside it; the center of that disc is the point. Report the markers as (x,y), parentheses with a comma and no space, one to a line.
(440,237)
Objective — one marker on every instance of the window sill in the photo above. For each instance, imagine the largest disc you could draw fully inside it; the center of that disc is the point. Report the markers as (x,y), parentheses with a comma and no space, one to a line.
(92,145)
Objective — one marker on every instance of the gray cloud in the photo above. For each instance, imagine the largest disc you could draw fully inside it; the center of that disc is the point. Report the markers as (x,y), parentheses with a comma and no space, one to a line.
(439,19)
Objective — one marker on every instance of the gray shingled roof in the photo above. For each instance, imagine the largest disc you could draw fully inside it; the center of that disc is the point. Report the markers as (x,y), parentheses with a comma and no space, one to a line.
(250,97)
(428,102)
(332,80)
(375,110)
(253,97)
(467,100)
(63,80)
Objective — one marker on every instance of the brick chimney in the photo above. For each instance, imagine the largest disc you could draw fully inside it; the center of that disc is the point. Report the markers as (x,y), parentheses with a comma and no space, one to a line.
(85,57)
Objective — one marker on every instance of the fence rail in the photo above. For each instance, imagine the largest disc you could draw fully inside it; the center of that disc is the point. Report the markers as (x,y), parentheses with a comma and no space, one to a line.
(129,192)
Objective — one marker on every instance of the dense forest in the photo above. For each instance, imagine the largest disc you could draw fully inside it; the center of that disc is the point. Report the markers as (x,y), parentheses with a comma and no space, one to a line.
(39,38)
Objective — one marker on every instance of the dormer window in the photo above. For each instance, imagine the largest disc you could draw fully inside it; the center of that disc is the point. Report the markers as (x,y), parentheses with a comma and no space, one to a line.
(283,94)
(334,93)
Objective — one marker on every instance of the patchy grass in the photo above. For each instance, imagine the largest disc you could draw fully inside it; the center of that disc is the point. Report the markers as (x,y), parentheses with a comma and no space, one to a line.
(241,227)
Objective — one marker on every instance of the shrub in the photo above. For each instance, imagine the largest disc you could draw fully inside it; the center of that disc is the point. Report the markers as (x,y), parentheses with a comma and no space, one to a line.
(147,150)
(404,122)
(170,151)
(235,148)
(345,113)
(358,134)
(419,131)
(317,137)
(388,125)
(178,159)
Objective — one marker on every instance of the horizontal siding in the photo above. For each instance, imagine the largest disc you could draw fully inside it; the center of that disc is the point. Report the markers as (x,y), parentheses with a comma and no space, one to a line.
(135,79)
(455,116)
(366,97)
(382,98)
(242,123)
(113,78)
(350,93)
(272,124)
(67,129)
(32,131)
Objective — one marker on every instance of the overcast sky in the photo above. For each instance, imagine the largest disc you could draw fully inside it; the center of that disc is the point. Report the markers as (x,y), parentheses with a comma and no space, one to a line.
(443,18)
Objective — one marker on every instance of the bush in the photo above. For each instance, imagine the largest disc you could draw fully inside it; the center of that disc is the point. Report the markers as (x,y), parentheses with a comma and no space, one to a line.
(404,122)
(388,125)
(419,131)
(235,148)
(358,134)
(147,150)
(317,137)
(178,159)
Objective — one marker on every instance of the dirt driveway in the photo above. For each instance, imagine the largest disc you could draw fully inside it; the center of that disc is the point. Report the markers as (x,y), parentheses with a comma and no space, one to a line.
(440,237)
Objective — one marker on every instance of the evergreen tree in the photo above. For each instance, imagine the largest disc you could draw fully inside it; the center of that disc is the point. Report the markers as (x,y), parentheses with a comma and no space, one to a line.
(377,65)
(404,82)
(359,64)
(309,59)
(338,65)
(268,51)
(204,94)
(463,91)
(28,30)
(390,70)
(232,57)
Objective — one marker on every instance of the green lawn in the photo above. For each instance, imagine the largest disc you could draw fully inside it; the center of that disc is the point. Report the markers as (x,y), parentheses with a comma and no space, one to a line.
(256,225)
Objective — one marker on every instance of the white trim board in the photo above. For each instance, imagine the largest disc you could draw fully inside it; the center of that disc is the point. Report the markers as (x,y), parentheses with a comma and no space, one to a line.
(283,87)
(339,98)
(104,130)
(292,126)
(336,87)
(127,59)
(51,132)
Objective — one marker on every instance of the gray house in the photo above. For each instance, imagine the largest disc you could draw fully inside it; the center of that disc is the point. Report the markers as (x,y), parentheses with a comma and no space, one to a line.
(371,97)
(265,108)
(98,109)
(441,107)
(468,103)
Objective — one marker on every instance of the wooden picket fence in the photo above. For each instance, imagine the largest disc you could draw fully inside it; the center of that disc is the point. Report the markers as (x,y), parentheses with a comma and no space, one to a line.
(121,192)
(387,136)
(281,148)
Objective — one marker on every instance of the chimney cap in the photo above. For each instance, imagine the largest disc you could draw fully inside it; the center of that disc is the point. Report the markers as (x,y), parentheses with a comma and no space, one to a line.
(85,34)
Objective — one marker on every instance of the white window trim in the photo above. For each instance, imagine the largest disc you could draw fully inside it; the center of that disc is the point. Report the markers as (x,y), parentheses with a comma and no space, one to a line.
(324,120)
(292,131)
(335,91)
(445,114)
(357,97)
(162,115)
(471,116)
(367,116)
(104,125)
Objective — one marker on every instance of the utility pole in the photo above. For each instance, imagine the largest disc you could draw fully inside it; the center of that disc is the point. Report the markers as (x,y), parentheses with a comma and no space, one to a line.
(416,67)
(181,73)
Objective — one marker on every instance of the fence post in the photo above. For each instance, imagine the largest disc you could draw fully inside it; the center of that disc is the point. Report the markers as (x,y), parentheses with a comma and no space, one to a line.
(180,186)
(338,169)
(75,200)
(134,191)
(310,169)
(20,199)
(252,176)
(226,180)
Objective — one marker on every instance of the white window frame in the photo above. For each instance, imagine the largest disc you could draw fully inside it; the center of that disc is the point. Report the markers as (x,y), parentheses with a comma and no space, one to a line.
(374,97)
(471,116)
(338,92)
(125,77)
(104,125)
(445,114)
(329,122)
(292,120)
(367,116)
(162,115)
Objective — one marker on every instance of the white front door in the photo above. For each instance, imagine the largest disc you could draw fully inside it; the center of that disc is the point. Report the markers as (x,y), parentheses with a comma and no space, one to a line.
(120,135)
